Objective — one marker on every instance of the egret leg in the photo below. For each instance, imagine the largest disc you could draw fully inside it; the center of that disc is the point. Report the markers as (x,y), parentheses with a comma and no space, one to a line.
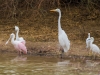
(62,52)
(88,52)
(91,52)
(98,55)
(95,56)
(92,55)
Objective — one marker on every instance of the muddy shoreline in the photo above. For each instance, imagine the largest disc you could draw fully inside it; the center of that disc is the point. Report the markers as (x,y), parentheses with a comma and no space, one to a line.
(52,49)
(41,34)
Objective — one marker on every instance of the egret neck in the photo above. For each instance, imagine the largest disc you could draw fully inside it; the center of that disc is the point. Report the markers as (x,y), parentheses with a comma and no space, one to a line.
(59,24)
(88,35)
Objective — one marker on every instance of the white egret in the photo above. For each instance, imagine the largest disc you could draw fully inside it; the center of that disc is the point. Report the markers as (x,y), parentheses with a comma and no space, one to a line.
(17,37)
(62,36)
(94,47)
(87,41)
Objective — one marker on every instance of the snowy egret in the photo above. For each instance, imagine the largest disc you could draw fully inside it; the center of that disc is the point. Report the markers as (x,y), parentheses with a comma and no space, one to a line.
(62,36)
(87,41)
(17,37)
(94,47)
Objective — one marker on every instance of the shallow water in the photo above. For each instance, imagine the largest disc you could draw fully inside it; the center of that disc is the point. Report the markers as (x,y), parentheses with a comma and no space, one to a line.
(11,64)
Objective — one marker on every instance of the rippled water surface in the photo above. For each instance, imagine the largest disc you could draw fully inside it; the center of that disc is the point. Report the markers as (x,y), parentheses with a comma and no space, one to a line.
(11,64)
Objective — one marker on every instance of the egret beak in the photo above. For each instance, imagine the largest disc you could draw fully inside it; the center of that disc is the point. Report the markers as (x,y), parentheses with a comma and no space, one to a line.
(52,10)
(7,41)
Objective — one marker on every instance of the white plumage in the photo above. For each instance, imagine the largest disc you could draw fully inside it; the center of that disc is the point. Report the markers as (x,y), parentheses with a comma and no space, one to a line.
(63,40)
(62,36)
(17,37)
(87,41)
(94,47)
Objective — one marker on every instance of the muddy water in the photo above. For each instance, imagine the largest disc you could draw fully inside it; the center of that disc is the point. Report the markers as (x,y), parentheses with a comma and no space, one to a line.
(11,64)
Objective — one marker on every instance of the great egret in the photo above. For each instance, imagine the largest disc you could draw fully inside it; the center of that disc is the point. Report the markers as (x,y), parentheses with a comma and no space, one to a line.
(17,37)
(62,36)
(19,46)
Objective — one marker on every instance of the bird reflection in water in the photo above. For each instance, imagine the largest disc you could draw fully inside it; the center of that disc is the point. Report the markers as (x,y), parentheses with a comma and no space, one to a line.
(19,58)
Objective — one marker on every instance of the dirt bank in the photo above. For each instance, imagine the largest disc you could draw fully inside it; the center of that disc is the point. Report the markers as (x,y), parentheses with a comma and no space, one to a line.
(41,31)
(78,48)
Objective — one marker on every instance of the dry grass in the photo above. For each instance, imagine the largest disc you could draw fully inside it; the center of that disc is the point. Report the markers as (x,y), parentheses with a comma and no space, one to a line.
(14,9)
(44,28)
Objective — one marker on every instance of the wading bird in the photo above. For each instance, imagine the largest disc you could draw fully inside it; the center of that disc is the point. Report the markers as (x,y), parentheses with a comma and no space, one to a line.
(17,37)
(87,41)
(62,36)
(19,46)
(94,47)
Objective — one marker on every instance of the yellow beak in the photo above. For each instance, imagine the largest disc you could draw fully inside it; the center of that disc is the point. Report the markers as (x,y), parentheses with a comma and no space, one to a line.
(52,10)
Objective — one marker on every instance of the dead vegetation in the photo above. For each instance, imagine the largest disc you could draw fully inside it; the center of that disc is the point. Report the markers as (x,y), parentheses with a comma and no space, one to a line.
(18,8)
(35,20)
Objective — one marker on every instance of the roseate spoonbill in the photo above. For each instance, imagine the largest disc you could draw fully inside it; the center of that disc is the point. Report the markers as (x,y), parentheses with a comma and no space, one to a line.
(62,36)
(19,58)
(19,46)
(17,37)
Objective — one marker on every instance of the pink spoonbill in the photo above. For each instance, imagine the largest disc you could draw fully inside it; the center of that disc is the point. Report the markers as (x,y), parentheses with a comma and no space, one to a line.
(19,46)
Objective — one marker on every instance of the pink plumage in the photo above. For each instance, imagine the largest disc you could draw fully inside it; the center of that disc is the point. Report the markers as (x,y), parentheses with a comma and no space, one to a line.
(22,47)
(23,42)
(19,46)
